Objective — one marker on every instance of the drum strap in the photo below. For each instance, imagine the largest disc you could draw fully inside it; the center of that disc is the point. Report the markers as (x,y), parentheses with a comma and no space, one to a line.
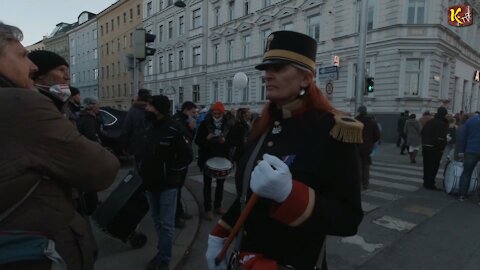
(246,184)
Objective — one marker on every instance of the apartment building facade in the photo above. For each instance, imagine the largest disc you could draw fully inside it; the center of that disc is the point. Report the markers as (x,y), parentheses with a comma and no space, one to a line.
(178,68)
(84,55)
(57,41)
(116,25)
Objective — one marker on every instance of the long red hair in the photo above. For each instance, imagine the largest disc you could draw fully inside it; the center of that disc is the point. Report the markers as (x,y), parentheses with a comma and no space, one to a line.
(314,100)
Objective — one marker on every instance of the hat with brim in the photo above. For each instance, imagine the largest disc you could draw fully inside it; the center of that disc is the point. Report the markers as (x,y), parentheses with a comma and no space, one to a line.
(288,47)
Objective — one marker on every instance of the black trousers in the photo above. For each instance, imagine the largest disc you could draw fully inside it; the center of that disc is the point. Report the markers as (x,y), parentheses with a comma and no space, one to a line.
(180,209)
(431,163)
(207,193)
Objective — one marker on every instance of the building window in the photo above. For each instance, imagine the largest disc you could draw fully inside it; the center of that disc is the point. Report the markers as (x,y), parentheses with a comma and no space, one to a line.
(160,64)
(215,91)
(314,27)
(124,17)
(95,74)
(94,34)
(107,94)
(263,90)
(118,20)
(230,50)
(118,45)
(118,68)
(246,94)
(95,53)
(170,29)
(169,3)
(73,60)
(370,14)
(150,67)
(125,42)
(108,71)
(246,46)
(416,11)
(288,26)
(197,18)
(74,78)
(138,10)
(180,95)
(131,14)
(231,9)
(124,89)
(265,34)
(103,72)
(413,77)
(149,9)
(181,60)
(160,33)
(170,61)
(196,56)
(113,69)
(101,30)
(229,91)
(112,25)
(217,16)
(246,7)
(72,42)
(267,3)
(160,4)
(215,53)
(106,27)
(181,25)
(196,93)
(131,39)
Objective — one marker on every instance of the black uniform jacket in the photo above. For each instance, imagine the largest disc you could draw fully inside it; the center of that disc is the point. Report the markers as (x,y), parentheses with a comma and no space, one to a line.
(325,198)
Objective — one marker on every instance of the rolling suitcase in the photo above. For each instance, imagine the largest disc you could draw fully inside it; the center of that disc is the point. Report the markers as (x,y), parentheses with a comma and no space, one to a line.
(120,214)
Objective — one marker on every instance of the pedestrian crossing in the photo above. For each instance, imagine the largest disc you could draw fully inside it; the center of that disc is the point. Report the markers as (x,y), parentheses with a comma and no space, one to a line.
(388,182)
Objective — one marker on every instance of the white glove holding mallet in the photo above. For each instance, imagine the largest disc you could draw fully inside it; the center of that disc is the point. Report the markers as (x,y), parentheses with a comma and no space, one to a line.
(215,244)
(271,179)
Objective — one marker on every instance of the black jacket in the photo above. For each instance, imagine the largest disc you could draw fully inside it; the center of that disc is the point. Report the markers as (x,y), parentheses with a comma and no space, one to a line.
(212,148)
(434,133)
(133,128)
(330,167)
(371,134)
(184,120)
(164,156)
(89,126)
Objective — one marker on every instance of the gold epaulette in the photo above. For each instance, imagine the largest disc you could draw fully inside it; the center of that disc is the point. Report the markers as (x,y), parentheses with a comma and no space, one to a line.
(346,128)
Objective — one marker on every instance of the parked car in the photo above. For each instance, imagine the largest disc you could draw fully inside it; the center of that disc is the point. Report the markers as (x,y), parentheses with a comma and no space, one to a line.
(112,121)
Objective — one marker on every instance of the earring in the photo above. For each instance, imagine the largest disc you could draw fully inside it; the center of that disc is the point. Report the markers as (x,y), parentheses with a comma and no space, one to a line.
(302,92)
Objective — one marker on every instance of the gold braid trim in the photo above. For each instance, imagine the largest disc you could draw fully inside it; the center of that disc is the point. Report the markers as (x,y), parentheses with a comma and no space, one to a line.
(346,129)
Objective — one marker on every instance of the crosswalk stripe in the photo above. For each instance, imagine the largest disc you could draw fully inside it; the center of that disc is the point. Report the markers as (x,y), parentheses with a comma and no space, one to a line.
(393,185)
(396,177)
(381,195)
(376,163)
(402,171)
(367,207)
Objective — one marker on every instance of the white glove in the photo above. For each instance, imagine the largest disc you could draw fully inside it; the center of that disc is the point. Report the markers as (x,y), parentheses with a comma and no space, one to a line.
(271,179)
(215,245)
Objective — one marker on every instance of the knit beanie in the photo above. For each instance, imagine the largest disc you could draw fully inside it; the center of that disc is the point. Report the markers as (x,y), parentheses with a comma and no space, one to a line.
(74,91)
(161,103)
(45,61)
(89,102)
(218,106)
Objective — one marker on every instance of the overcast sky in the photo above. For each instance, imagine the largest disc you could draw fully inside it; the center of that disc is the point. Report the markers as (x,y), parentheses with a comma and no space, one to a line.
(37,18)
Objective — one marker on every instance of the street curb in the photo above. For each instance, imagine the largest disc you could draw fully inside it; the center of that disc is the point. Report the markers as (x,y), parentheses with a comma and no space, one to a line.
(193,206)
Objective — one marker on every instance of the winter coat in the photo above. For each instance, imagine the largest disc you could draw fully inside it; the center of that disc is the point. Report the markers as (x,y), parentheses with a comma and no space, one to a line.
(413,132)
(88,126)
(434,133)
(424,119)
(133,127)
(371,134)
(38,143)
(470,136)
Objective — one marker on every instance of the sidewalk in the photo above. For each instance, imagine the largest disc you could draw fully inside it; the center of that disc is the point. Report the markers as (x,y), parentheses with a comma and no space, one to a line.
(116,255)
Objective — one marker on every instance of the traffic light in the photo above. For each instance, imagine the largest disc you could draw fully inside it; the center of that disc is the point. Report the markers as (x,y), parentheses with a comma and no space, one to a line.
(141,39)
(369,82)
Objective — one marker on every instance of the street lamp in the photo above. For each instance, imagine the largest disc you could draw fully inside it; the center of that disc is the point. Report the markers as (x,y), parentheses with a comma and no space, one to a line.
(180,4)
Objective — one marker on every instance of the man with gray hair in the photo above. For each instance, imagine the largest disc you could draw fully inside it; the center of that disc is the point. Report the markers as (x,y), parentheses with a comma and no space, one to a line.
(39,171)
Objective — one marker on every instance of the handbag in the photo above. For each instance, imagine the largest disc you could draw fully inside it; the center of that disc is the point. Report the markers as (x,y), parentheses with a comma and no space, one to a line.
(21,245)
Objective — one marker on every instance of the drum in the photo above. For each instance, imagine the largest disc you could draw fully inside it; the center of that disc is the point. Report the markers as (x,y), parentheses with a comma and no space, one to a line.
(218,167)
(452,174)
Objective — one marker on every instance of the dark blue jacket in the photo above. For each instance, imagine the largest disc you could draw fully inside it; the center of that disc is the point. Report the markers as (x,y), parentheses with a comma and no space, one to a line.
(470,136)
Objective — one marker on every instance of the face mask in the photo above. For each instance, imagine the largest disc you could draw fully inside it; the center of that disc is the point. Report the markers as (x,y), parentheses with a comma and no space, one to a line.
(60,91)
(217,119)
(150,116)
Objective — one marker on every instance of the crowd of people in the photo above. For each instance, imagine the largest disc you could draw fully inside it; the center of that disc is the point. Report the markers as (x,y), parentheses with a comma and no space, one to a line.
(442,137)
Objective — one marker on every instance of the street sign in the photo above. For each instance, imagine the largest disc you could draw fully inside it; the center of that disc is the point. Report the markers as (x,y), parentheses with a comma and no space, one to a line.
(330,73)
